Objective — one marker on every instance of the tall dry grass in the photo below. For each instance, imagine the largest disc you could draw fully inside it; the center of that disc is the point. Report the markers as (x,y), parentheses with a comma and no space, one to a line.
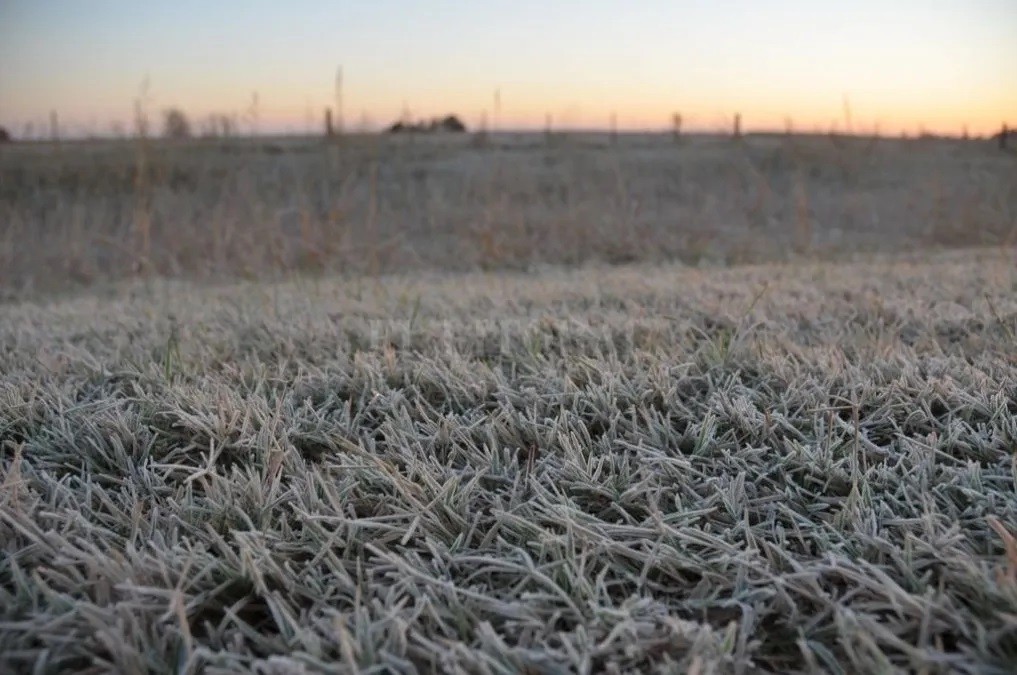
(81,213)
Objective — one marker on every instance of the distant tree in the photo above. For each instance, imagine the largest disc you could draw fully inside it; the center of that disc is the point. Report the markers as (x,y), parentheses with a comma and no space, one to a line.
(5,136)
(453,124)
(450,123)
(175,124)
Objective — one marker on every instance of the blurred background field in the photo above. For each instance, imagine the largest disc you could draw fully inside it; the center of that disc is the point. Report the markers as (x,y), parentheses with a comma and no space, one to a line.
(85,212)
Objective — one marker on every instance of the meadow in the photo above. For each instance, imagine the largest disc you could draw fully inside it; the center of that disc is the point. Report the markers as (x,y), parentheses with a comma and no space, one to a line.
(509,404)
(81,213)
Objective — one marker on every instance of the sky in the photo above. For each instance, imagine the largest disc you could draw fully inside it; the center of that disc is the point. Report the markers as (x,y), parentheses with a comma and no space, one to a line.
(936,66)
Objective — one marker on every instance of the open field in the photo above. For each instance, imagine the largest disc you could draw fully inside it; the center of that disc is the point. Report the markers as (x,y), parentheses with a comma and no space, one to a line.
(80,213)
(520,405)
(652,468)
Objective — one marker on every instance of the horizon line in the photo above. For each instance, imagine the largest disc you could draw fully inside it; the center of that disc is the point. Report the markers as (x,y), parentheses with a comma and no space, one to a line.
(293,134)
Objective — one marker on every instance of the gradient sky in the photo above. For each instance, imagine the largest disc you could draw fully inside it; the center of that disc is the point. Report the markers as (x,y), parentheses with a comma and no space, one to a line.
(904,65)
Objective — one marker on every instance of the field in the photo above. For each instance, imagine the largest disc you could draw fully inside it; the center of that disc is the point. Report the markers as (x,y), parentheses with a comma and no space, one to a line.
(79,214)
(509,405)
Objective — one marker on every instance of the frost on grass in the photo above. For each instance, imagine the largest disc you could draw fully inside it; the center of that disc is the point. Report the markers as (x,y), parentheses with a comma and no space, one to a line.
(771,469)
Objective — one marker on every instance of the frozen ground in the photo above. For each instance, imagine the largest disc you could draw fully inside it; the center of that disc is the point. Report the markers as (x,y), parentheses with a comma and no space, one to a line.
(643,468)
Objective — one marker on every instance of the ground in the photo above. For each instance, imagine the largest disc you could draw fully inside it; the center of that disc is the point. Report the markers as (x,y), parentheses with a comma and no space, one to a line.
(81,214)
(655,466)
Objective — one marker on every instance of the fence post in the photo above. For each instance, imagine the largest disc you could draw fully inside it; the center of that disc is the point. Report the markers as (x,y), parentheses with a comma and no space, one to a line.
(1003,133)
(329,129)
(676,126)
(480,138)
(738,125)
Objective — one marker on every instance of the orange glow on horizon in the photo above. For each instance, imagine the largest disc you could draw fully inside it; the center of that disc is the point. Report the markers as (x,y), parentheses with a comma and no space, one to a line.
(907,66)
(308,118)
(910,120)
(371,108)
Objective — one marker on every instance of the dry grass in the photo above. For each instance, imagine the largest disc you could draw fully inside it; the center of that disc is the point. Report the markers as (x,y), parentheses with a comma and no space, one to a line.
(786,468)
(78,214)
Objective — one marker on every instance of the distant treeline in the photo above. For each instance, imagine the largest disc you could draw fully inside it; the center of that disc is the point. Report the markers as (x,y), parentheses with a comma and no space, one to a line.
(449,123)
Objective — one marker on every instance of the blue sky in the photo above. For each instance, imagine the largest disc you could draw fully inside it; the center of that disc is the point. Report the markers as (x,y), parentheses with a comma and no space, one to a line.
(902,65)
